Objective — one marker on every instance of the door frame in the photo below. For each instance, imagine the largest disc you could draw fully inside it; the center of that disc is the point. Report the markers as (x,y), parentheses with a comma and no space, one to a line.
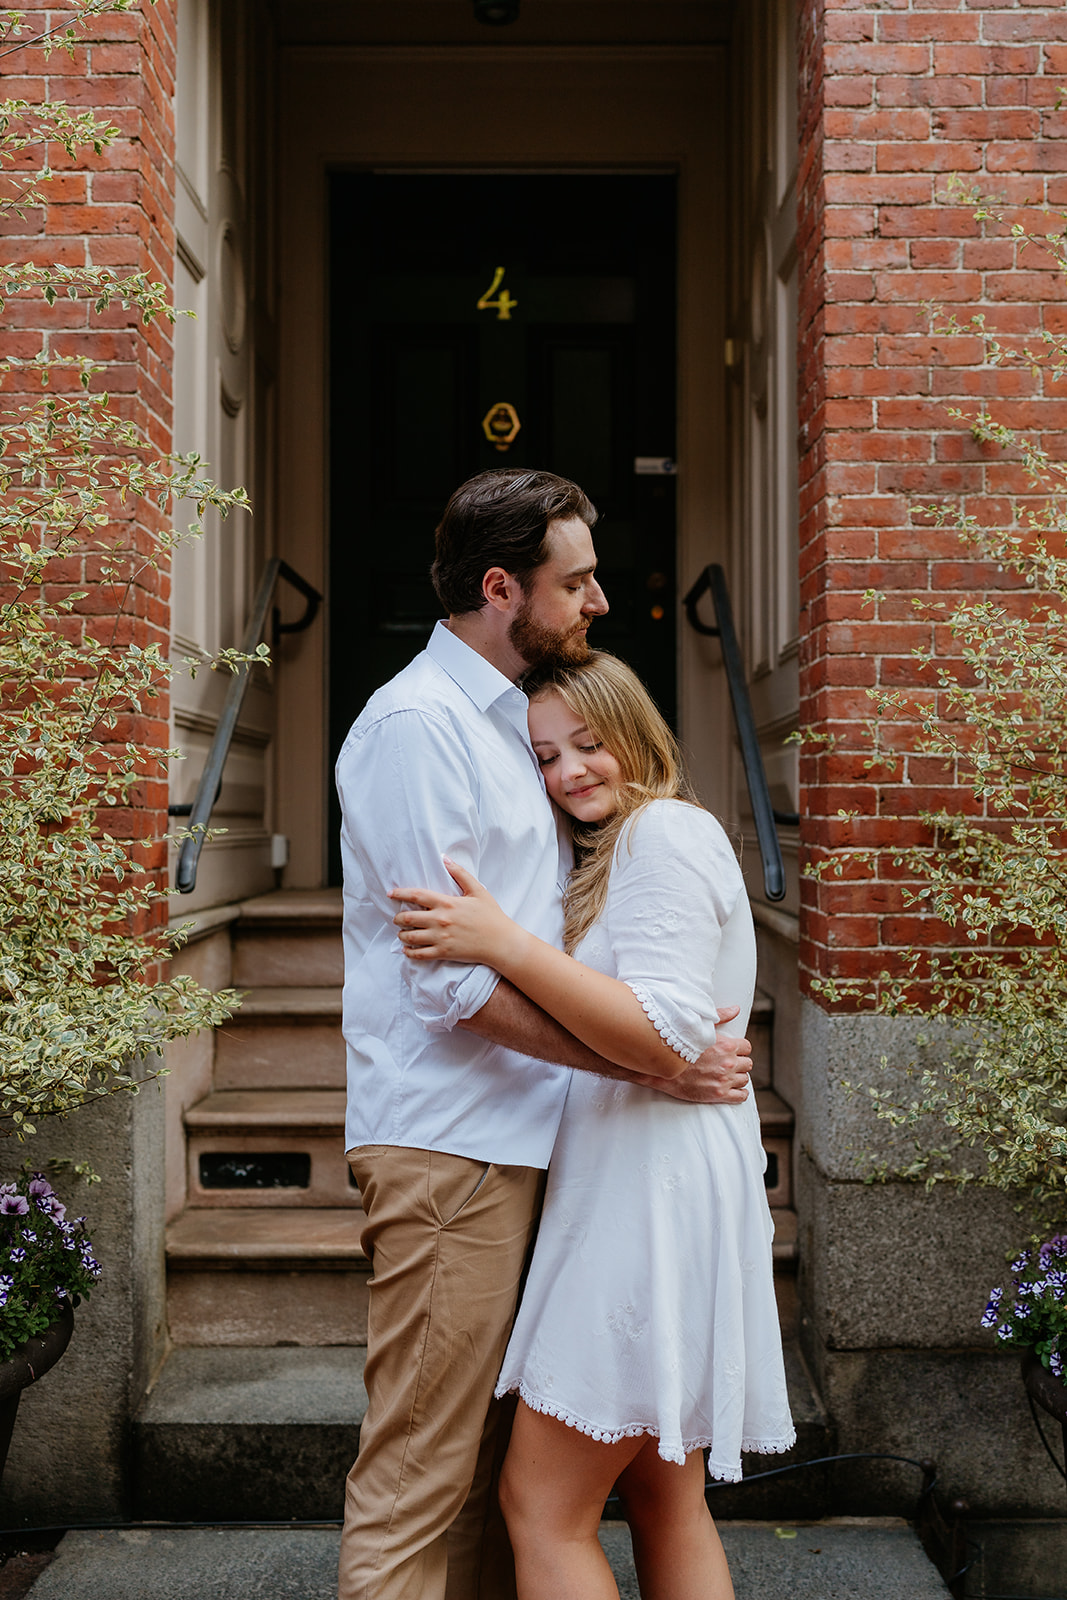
(488,108)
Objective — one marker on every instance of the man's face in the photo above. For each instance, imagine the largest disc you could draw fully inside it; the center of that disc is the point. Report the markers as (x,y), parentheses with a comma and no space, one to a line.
(560,599)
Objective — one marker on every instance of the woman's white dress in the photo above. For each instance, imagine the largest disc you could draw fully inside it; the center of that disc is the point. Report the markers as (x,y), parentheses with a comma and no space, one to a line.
(650,1306)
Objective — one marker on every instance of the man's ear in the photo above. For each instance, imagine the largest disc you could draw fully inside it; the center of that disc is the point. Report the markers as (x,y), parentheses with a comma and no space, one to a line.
(501,589)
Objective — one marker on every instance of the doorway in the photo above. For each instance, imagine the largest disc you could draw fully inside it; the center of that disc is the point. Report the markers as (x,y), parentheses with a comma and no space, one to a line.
(482,320)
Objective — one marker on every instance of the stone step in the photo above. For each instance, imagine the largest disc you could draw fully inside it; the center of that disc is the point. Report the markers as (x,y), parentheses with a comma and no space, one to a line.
(290,937)
(870,1558)
(291,1417)
(785,1236)
(760,1033)
(776,1130)
(283,1037)
(309,1124)
(256,1276)
(268,1147)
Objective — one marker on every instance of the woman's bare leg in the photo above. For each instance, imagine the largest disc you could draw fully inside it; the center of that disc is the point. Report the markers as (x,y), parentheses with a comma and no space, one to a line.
(677,1549)
(552,1492)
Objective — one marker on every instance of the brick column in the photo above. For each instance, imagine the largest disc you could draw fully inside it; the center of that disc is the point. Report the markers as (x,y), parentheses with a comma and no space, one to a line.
(113,210)
(895,99)
(894,102)
(116,210)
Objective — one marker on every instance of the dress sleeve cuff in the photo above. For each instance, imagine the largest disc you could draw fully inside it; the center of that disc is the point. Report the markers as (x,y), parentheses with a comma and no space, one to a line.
(666,1032)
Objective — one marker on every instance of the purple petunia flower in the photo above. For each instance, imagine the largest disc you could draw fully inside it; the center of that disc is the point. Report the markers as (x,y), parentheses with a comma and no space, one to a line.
(1055,1364)
(39,1186)
(992,1310)
(18,1254)
(13,1205)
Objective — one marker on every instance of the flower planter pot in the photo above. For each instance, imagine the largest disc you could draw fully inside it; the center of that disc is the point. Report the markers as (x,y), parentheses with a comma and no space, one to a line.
(1049,1392)
(1046,1391)
(30,1362)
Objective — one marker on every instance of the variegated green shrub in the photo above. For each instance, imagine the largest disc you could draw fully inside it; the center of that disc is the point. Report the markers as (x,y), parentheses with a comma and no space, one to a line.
(989,1104)
(86,1004)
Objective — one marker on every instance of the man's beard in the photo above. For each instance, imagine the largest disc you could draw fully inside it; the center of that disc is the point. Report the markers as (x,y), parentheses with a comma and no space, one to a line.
(541,646)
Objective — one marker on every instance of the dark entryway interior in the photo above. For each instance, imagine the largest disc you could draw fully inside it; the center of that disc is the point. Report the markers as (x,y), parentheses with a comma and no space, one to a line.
(490,320)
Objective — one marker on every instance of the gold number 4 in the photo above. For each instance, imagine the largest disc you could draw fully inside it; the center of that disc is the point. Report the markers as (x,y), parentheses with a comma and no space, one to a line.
(503,302)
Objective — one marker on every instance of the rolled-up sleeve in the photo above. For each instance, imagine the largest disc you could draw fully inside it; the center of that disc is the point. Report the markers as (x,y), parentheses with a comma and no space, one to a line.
(674,885)
(409,797)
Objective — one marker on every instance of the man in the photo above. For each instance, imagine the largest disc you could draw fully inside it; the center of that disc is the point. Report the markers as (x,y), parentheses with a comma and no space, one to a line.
(456,1081)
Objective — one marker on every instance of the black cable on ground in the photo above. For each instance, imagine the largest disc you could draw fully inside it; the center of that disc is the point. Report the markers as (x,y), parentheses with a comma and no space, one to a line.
(820,1461)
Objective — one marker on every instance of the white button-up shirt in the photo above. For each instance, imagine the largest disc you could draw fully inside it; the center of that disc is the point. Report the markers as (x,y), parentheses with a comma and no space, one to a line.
(439,763)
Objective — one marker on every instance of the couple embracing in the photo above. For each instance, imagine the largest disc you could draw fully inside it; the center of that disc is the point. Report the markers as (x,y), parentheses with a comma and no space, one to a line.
(562,903)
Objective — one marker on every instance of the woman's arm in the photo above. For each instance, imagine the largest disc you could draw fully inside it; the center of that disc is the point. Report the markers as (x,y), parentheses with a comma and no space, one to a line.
(604,1013)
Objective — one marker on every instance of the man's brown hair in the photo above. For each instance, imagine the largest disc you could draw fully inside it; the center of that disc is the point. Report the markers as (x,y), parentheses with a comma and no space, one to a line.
(499,519)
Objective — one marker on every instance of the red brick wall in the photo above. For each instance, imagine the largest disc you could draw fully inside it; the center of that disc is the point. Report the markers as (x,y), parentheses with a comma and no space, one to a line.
(112,210)
(893,100)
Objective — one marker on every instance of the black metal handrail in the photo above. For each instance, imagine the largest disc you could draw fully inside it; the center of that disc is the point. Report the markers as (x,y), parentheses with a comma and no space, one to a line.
(210,787)
(713,581)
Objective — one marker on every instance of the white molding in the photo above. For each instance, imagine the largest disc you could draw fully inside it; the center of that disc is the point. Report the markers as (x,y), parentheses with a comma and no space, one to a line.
(188,260)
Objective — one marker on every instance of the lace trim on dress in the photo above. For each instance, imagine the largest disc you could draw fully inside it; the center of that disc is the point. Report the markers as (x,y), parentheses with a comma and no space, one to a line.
(664,1029)
(770,1447)
(728,1473)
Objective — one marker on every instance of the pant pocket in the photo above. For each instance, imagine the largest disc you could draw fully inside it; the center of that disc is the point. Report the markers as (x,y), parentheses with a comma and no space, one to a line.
(452,1183)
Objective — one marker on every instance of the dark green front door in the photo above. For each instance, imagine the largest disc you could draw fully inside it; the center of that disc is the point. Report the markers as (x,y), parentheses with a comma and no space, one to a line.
(484,321)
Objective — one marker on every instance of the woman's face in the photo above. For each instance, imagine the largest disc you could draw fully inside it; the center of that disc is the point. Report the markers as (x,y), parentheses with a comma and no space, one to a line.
(580,774)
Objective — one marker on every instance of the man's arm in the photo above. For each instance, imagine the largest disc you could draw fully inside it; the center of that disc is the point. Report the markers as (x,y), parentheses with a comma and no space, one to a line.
(508,1018)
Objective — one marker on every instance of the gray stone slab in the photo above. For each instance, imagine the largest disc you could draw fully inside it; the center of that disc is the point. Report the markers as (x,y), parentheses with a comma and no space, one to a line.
(194,1564)
(867,1559)
(863,1560)
(968,1412)
(896,1266)
(1020,1557)
(252,1385)
(243,1433)
(822,1561)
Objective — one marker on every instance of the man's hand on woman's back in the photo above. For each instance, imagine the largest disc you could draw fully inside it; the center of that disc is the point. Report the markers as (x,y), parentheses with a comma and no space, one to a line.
(719,1077)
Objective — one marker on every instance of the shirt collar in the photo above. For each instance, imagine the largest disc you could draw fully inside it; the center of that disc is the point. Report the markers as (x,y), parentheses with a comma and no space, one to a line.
(476,676)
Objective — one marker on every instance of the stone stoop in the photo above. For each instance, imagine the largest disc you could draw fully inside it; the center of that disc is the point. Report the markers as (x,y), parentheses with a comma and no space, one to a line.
(266,1251)
(777,1127)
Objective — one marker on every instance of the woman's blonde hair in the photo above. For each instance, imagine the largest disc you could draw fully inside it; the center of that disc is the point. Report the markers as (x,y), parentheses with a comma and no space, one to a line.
(620,714)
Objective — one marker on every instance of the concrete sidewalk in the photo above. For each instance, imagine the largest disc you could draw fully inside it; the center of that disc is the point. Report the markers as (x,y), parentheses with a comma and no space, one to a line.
(864,1559)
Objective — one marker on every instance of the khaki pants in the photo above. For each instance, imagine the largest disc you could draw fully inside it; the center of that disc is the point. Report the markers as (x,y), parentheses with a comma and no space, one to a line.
(447,1239)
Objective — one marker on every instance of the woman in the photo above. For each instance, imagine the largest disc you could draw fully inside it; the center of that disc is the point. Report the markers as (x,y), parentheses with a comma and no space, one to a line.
(648,1329)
